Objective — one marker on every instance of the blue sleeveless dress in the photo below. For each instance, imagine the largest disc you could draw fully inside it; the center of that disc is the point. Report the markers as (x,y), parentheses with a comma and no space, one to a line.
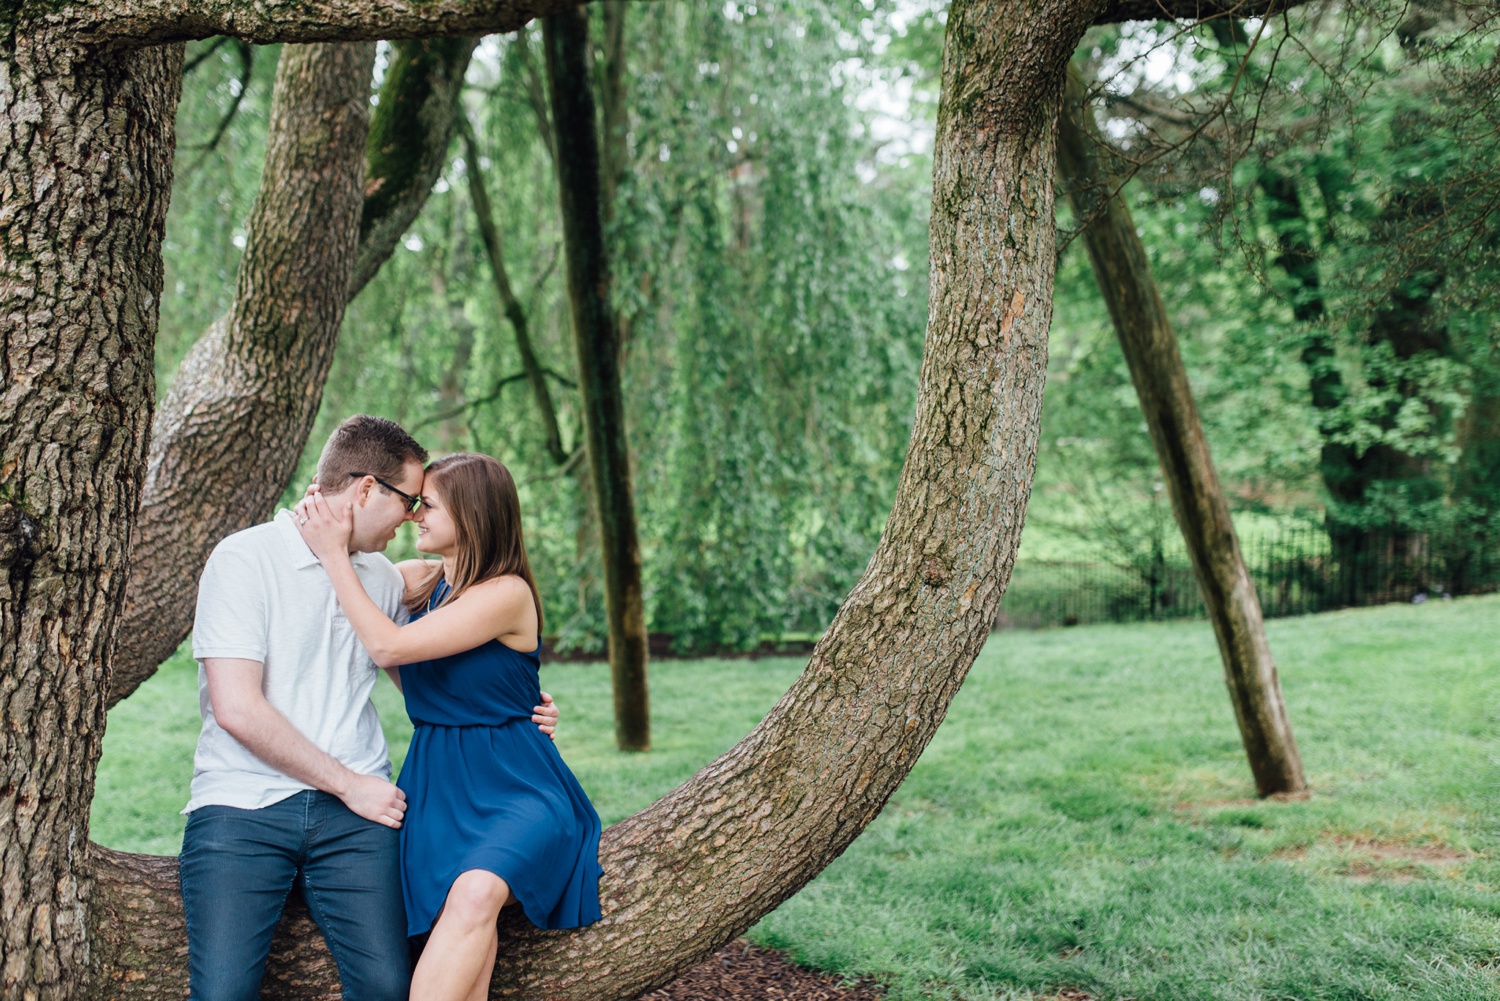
(485,789)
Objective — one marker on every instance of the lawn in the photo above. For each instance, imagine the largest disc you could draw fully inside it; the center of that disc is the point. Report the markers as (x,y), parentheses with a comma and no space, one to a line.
(1084,816)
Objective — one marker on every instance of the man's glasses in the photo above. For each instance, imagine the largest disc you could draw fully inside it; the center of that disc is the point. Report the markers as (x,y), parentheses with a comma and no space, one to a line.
(412,503)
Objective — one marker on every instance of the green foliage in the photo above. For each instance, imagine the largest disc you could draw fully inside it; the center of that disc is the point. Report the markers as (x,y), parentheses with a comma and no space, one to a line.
(770,264)
(773,321)
(1084,815)
(212,191)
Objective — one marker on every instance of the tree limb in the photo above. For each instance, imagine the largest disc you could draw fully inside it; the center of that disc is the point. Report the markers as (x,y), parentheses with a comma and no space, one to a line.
(1190,10)
(130,23)
(247,69)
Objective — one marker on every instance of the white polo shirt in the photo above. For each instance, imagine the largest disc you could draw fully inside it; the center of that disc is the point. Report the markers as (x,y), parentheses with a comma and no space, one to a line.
(265,597)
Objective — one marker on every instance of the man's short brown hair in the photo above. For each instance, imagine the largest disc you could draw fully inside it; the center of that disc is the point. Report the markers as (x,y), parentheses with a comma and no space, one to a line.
(365,444)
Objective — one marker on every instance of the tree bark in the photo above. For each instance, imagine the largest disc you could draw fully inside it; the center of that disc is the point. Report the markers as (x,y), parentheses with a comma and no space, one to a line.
(1124,276)
(130,23)
(489,235)
(565,36)
(85,173)
(233,427)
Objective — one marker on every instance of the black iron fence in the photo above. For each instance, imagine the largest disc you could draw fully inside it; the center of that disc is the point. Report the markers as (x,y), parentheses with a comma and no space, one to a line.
(1295,570)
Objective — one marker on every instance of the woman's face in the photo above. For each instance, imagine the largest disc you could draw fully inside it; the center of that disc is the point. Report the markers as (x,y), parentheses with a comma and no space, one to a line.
(436,532)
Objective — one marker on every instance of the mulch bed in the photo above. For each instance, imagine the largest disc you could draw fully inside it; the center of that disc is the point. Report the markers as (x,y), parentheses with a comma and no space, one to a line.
(744,972)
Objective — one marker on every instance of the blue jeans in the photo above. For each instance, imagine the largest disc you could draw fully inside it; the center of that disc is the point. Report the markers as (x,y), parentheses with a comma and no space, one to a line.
(237,867)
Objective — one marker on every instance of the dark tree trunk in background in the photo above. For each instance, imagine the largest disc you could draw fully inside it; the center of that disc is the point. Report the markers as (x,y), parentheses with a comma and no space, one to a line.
(1124,276)
(85,172)
(1475,490)
(1297,257)
(235,422)
(1408,323)
(565,37)
(515,313)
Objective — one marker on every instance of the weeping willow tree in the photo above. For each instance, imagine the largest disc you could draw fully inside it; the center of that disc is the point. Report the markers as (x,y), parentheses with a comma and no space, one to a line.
(770,320)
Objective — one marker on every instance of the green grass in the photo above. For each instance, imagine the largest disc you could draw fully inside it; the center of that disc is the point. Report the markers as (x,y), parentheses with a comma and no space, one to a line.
(1084,816)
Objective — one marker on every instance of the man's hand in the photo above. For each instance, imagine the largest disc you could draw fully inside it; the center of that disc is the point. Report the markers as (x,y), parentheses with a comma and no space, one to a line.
(375,798)
(545,716)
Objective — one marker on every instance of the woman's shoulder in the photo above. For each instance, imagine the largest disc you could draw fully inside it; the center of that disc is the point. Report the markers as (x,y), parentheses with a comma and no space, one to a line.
(414,572)
(506,587)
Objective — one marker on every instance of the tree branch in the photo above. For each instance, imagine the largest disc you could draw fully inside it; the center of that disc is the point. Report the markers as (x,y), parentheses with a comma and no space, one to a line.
(130,23)
(489,234)
(247,70)
(1190,10)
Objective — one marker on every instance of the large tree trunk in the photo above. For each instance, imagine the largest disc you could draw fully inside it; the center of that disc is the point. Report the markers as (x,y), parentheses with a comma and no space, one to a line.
(85,172)
(565,36)
(233,427)
(1140,319)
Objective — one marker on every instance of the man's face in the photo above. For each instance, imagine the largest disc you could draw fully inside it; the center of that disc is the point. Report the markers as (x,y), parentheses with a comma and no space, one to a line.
(378,512)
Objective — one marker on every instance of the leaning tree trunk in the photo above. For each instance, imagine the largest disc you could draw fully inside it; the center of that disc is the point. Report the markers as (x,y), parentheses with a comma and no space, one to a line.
(233,426)
(566,37)
(85,172)
(1140,318)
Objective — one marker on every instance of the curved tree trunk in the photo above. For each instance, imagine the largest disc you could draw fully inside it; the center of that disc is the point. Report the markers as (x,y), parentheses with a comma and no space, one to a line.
(85,172)
(566,38)
(752,828)
(233,427)
(1161,382)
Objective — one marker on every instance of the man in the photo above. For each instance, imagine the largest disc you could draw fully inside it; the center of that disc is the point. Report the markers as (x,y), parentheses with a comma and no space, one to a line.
(291,779)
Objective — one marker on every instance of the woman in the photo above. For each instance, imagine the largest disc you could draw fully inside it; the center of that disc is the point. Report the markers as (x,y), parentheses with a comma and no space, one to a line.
(493,814)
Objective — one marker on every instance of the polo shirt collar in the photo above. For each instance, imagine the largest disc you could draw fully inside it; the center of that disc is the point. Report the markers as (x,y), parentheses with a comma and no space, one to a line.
(297,548)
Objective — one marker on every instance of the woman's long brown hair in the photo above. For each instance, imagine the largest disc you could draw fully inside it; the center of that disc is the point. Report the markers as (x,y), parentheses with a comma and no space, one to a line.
(486,512)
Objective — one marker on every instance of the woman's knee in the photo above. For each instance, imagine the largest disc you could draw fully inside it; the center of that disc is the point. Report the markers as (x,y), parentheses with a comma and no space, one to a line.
(476,897)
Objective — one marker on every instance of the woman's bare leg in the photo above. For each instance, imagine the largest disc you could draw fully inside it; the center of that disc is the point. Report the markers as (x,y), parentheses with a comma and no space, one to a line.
(481,989)
(463,942)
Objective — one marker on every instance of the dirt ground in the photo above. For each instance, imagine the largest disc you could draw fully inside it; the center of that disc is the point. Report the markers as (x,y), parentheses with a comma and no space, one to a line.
(744,972)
